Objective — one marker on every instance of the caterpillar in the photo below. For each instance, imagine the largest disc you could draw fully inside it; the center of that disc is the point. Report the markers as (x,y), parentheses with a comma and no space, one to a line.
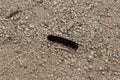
(63,41)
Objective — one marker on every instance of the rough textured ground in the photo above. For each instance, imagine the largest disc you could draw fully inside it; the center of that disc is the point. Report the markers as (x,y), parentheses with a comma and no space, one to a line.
(26,54)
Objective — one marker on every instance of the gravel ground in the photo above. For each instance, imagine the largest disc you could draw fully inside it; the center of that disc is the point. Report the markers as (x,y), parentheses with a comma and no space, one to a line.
(26,54)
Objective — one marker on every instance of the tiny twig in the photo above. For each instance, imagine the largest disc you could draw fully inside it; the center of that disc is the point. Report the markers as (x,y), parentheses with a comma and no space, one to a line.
(105,24)
(65,49)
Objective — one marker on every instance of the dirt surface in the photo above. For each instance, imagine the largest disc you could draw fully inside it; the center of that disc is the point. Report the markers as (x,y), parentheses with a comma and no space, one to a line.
(26,54)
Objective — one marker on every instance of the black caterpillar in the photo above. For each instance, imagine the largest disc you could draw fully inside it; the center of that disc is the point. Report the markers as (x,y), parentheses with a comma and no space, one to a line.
(63,41)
